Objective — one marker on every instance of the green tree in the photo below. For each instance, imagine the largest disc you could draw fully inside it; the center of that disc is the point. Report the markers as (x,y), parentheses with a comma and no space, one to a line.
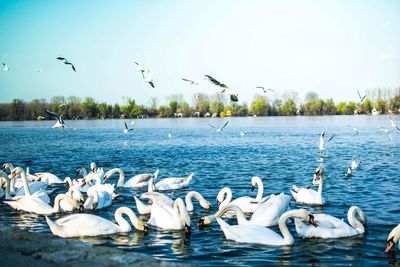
(259,106)
(288,108)
(89,108)
(329,107)
(17,109)
(116,112)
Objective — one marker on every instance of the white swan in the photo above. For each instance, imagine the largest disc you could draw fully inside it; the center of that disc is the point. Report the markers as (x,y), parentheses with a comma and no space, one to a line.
(173,183)
(48,178)
(93,178)
(393,238)
(164,200)
(99,196)
(6,192)
(73,193)
(246,204)
(137,181)
(332,227)
(170,218)
(266,214)
(262,235)
(309,196)
(77,225)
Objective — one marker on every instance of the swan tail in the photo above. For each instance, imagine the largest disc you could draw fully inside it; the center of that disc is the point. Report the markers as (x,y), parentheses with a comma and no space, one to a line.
(188,179)
(141,207)
(54,228)
(155,174)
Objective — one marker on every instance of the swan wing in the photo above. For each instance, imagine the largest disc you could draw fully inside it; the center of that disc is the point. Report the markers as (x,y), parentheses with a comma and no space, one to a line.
(309,196)
(165,217)
(246,204)
(269,212)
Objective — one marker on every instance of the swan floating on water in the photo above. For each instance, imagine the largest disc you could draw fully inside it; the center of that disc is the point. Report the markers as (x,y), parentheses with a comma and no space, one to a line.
(262,235)
(99,196)
(137,181)
(393,238)
(173,183)
(77,225)
(332,227)
(309,196)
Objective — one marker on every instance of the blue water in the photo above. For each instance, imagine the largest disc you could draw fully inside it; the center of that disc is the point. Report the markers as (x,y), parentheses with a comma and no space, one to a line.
(281,150)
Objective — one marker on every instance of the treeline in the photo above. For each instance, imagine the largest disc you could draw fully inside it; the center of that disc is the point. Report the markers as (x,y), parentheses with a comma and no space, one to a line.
(378,100)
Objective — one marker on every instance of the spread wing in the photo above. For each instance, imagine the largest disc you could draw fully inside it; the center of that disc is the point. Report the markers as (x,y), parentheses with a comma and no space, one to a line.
(52,113)
(214,81)
(226,123)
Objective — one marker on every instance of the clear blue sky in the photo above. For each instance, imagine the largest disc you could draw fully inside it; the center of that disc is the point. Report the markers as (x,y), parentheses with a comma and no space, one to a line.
(330,47)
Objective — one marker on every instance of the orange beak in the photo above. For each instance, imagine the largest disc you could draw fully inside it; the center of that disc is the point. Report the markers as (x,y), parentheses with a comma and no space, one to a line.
(389,247)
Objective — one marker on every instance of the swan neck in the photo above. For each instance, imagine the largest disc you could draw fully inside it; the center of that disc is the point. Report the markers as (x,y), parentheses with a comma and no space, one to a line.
(225,199)
(287,236)
(58,199)
(353,220)
(25,183)
(241,218)
(180,208)
(321,183)
(121,178)
(123,224)
(7,193)
(260,189)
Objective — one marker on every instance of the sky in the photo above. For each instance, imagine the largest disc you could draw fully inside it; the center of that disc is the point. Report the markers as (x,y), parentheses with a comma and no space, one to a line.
(333,48)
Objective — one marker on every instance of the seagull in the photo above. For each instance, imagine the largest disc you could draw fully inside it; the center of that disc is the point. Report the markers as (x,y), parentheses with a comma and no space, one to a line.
(5,67)
(226,90)
(322,141)
(132,122)
(59,122)
(242,133)
(361,97)
(127,129)
(265,90)
(149,78)
(348,172)
(67,62)
(354,164)
(190,81)
(393,124)
(387,131)
(221,128)
(138,67)
(354,128)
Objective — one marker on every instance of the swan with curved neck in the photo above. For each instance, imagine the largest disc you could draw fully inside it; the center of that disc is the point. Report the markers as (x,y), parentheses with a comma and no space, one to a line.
(393,238)
(164,200)
(309,196)
(170,218)
(266,214)
(332,227)
(73,193)
(37,189)
(262,235)
(77,225)
(6,193)
(246,204)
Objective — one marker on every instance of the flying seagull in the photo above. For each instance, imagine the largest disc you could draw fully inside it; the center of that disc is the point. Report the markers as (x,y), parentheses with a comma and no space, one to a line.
(127,129)
(265,90)
(226,90)
(393,124)
(322,141)
(387,131)
(59,122)
(5,67)
(190,81)
(138,67)
(221,128)
(67,62)
(361,97)
(354,128)
(149,78)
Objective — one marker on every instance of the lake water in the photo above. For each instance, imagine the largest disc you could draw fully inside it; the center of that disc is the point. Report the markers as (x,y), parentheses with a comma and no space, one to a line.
(281,150)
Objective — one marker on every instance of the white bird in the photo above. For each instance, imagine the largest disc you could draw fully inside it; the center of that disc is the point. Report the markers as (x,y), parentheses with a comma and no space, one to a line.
(261,235)
(74,193)
(173,183)
(59,120)
(190,81)
(265,90)
(353,128)
(225,89)
(5,67)
(322,141)
(219,129)
(393,124)
(242,133)
(393,239)
(332,227)
(169,135)
(78,225)
(127,129)
(99,196)
(348,172)
(266,214)
(6,192)
(149,78)
(170,218)
(48,178)
(354,164)
(67,62)
(132,122)
(137,181)
(139,68)
(309,196)
(361,97)
(387,131)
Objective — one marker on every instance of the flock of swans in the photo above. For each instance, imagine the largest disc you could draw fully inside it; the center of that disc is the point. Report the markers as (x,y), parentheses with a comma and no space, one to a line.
(29,193)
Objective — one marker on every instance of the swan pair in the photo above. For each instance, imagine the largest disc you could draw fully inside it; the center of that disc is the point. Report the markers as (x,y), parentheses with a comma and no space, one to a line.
(332,227)
(261,235)
(163,199)
(77,225)
(246,204)
(137,181)
(309,196)
(266,214)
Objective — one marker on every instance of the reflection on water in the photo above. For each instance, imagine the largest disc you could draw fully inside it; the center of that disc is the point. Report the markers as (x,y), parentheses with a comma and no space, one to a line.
(283,151)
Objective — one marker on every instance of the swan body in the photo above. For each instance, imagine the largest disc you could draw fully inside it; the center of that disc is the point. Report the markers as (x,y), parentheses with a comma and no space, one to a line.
(393,239)
(170,218)
(6,192)
(354,164)
(49,178)
(262,235)
(136,181)
(173,183)
(77,225)
(309,196)
(73,193)
(332,227)
(99,196)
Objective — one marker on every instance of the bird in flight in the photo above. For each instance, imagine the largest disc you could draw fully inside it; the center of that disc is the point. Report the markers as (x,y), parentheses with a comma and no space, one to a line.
(225,89)
(139,68)
(322,141)
(127,129)
(59,120)
(149,78)
(190,81)
(220,129)
(67,62)
(361,97)
(265,90)
(393,124)
(354,128)
(5,67)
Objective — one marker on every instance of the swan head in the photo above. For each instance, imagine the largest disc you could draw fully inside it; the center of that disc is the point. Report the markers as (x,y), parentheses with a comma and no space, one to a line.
(221,195)
(205,220)
(16,171)
(304,215)
(93,166)
(392,239)
(205,204)
(254,180)
(6,166)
